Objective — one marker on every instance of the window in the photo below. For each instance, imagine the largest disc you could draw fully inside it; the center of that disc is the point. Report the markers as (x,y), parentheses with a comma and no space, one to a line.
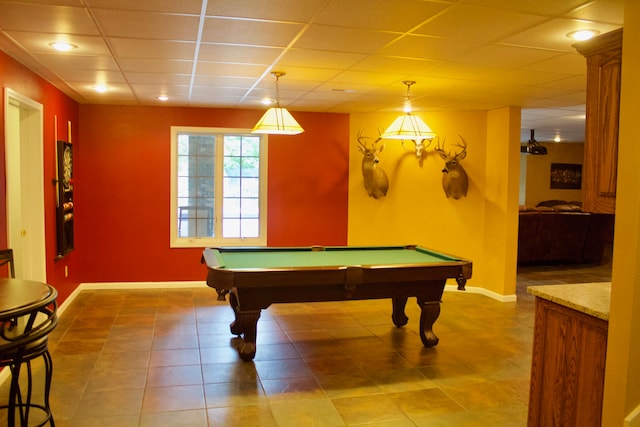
(218,187)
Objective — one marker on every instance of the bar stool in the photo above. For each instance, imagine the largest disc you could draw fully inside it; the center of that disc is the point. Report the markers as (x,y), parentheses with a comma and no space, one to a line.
(28,316)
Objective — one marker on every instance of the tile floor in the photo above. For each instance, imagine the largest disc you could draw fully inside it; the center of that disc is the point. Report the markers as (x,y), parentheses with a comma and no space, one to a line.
(166,358)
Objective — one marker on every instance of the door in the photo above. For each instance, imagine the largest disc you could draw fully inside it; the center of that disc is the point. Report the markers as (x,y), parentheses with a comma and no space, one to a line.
(25,185)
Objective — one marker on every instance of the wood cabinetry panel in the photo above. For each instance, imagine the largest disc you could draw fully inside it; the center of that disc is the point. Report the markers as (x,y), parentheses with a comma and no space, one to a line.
(567,374)
(599,171)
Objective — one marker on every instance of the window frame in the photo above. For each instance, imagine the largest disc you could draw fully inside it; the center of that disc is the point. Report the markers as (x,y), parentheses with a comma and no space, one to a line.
(194,242)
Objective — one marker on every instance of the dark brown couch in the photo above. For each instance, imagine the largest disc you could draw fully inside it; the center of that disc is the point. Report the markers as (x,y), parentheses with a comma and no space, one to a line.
(561,233)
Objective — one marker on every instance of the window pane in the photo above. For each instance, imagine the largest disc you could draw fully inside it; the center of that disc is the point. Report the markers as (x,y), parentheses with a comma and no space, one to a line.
(250,208)
(231,208)
(232,165)
(232,145)
(251,166)
(250,187)
(251,146)
(231,228)
(231,187)
(250,227)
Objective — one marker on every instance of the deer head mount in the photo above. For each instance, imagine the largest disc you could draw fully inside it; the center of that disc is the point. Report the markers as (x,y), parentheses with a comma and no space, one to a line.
(375,179)
(454,178)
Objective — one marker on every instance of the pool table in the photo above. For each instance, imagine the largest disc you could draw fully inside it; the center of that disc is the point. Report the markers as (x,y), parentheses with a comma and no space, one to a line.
(256,277)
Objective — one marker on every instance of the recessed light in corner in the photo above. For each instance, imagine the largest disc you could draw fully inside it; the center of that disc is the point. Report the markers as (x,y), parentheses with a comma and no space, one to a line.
(163,98)
(62,46)
(582,35)
(100,88)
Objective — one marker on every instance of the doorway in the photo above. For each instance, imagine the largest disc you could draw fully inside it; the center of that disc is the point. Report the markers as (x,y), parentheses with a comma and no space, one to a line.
(25,185)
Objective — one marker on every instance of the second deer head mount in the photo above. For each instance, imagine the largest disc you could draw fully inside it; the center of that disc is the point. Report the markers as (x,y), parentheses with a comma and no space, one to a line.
(455,182)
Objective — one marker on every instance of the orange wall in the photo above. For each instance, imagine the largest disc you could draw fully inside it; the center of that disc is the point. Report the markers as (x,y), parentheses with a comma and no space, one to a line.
(55,103)
(122,181)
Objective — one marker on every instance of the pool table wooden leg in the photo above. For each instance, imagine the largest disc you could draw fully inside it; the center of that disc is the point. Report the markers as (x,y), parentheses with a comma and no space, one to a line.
(429,312)
(246,325)
(398,316)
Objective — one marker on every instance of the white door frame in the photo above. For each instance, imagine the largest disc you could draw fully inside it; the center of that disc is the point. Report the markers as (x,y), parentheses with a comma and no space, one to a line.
(24,157)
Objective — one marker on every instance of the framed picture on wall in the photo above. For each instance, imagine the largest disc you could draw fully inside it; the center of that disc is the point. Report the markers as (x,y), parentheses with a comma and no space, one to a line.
(566,176)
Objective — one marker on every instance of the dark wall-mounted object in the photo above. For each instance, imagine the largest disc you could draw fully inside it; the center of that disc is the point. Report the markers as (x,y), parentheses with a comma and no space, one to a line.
(64,198)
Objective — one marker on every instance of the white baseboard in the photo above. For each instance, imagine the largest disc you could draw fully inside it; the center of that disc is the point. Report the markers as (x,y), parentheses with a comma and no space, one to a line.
(633,419)
(482,291)
(140,285)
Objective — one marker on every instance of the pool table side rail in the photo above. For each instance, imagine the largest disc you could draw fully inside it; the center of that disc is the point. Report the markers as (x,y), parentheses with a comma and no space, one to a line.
(220,277)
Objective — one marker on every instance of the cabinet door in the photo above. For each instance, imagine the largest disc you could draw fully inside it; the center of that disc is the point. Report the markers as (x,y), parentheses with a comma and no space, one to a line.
(599,172)
(567,371)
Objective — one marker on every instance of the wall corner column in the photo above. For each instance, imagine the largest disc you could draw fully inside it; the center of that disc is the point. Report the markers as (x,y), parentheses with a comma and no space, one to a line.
(502,175)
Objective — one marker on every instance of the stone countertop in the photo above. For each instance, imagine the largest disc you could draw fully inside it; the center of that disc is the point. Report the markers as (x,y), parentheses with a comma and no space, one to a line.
(589,298)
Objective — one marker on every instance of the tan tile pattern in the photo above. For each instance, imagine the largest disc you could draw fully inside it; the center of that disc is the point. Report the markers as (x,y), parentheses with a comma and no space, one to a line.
(166,357)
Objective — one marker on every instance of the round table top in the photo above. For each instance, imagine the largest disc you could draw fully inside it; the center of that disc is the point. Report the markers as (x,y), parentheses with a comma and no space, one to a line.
(19,297)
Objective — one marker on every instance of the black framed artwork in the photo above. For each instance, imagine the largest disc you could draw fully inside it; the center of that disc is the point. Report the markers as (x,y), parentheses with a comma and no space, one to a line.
(567,176)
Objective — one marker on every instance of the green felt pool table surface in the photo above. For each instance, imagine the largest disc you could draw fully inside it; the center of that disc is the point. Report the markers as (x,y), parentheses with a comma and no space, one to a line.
(332,256)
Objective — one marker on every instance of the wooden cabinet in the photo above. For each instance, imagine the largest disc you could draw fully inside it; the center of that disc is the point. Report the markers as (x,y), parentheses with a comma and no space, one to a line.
(599,171)
(568,364)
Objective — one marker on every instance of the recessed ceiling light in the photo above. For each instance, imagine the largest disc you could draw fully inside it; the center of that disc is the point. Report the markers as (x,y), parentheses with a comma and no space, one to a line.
(266,102)
(581,35)
(100,88)
(163,98)
(63,46)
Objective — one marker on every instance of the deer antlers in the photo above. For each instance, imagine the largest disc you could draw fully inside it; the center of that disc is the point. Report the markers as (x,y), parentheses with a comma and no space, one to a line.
(457,156)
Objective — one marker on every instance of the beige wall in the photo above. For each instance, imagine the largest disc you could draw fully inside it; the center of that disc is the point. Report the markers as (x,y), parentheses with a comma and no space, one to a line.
(622,377)
(535,179)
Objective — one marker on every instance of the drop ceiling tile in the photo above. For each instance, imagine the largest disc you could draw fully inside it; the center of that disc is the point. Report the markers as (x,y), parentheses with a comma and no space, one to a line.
(152,49)
(142,65)
(115,91)
(478,23)
(351,40)
(215,52)
(357,88)
(609,11)
(248,32)
(226,81)
(38,43)
(569,63)
(384,64)
(181,6)
(571,83)
(508,56)
(152,91)
(159,79)
(539,7)
(461,70)
(276,10)
(60,63)
(78,3)
(381,79)
(302,75)
(400,16)
(553,34)
(226,69)
(44,18)
(434,48)
(91,77)
(526,77)
(319,59)
(147,25)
